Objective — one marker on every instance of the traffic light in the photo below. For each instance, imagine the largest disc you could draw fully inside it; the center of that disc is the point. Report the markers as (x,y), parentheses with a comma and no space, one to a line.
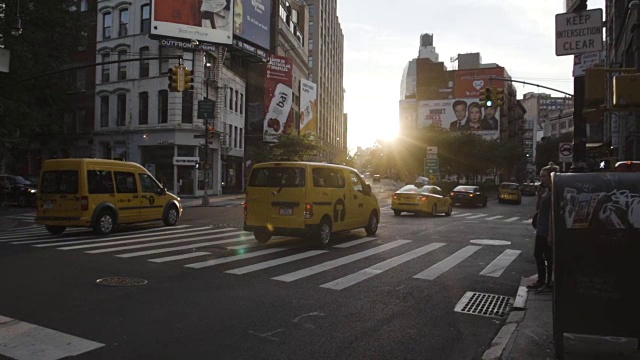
(175,79)
(486,97)
(210,131)
(187,79)
(499,97)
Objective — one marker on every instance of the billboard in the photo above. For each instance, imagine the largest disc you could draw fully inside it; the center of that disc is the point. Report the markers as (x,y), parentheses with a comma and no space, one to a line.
(408,114)
(278,97)
(468,83)
(252,21)
(308,107)
(202,20)
(460,115)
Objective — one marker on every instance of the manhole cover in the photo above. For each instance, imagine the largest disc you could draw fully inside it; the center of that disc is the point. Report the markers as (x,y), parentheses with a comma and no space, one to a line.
(120,281)
(484,304)
(490,242)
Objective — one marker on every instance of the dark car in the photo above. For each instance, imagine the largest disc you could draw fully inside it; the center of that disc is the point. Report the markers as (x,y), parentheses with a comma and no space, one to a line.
(468,195)
(17,190)
(528,189)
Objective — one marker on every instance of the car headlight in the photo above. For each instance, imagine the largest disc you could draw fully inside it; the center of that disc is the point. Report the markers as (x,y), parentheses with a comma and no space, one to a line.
(33,191)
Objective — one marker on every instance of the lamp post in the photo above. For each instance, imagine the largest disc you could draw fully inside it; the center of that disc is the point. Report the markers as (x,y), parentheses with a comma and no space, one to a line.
(205,198)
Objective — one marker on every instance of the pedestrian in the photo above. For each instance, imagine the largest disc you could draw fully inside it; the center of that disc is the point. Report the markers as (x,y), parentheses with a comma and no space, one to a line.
(543,249)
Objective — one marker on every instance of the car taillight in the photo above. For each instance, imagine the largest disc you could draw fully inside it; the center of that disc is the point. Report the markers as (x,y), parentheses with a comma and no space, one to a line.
(424,198)
(308,210)
(84,203)
(452,193)
(396,196)
(471,195)
(244,209)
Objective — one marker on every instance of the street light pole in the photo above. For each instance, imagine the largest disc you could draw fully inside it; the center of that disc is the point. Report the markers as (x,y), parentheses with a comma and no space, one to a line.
(205,198)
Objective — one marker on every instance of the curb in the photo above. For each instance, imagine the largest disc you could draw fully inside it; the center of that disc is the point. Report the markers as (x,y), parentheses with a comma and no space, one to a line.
(502,339)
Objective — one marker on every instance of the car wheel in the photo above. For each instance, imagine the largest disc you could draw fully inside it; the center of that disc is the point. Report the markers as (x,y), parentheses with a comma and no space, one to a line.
(22,201)
(519,201)
(55,230)
(434,210)
(397,212)
(484,203)
(105,223)
(372,225)
(170,216)
(449,210)
(323,234)
(262,236)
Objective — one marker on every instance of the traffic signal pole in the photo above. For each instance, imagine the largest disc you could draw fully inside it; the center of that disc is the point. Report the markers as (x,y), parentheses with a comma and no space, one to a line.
(205,156)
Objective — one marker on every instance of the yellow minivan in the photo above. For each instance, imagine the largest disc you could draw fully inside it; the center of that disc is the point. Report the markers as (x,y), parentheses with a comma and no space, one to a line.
(509,192)
(99,194)
(308,199)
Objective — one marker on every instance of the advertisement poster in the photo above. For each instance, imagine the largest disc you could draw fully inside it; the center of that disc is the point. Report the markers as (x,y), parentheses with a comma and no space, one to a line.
(468,83)
(460,115)
(309,107)
(252,21)
(408,114)
(202,20)
(278,94)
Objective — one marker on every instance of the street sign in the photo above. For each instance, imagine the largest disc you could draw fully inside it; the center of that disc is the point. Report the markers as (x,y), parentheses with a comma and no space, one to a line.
(432,150)
(431,162)
(206,109)
(565,152)
(579,32)
(432,156)
(582,62)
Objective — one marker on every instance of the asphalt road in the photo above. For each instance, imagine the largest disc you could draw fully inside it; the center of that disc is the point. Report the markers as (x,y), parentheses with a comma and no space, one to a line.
(213,293)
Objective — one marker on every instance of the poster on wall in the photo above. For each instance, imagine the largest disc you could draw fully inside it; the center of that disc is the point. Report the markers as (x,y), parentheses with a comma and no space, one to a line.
(468,83)
(460,115)
(309,107)
(202,20)
(278,94)
(252,21)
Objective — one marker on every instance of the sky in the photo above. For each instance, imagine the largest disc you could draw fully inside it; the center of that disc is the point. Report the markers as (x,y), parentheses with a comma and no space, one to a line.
(379,41)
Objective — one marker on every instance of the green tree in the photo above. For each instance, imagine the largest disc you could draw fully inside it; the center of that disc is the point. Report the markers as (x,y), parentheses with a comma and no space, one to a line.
(547,150)
(290,147)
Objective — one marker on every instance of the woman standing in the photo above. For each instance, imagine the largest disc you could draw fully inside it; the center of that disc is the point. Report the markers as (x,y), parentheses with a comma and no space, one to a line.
(542,251)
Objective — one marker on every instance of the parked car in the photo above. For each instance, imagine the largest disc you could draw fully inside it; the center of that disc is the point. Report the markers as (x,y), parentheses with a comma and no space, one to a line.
(528,189)
(627,166)
(376,178)
(468,195)
(419,199)
(18,190)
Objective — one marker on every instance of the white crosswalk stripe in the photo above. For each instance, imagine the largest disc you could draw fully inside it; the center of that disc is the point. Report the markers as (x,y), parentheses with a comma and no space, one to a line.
(512,219)
(446,264)
(270,263)
(355,242)
(476,216)
(500,263)
(234,258)
(494,217)
(462,215)
(184,247)
(92,238)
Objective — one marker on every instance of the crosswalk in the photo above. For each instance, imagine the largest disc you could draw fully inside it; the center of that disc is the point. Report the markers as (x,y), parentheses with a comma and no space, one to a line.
(475,216)
(26,217)
(198,247)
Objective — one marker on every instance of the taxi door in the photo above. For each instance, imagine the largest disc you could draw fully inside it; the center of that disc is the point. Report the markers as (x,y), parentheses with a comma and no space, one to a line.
(329,195)
(151,202)
(127,197)
(357,201)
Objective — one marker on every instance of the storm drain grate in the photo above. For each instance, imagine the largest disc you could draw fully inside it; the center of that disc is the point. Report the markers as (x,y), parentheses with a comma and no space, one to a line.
(120,281)
(484,304)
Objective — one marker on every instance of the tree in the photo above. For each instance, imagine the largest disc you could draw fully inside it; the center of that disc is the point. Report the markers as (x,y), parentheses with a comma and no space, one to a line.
(290,147)
(547,150)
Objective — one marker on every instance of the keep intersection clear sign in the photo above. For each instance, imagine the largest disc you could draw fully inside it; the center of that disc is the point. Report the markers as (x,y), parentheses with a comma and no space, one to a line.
(579,32)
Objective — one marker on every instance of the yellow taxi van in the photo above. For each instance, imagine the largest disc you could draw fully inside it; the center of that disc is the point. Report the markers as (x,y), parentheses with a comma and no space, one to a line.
(99,194)
(308,199)
(509,192)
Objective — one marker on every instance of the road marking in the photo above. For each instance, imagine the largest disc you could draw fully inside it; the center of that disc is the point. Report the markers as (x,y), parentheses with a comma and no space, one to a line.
(512,219)
(494,217)
(93,239)
(465,214)
(173,234)
(527,221)
(500,263)
(31,236)
(374,270)
(275,262)
(163,243)
(180,257)
(446,264)
(476,216)
(235,258)
(338,262)
(22,340)
(355,242)
(184,247)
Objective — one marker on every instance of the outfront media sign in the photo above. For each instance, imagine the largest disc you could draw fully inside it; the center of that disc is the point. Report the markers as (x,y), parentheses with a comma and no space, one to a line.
(252,21)
(203,20)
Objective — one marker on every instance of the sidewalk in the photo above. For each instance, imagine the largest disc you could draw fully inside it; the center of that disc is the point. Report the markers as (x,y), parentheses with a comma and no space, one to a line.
(214,200)
(528,335)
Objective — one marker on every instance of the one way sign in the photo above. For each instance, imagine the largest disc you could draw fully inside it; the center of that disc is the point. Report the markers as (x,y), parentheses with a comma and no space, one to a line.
(565,152)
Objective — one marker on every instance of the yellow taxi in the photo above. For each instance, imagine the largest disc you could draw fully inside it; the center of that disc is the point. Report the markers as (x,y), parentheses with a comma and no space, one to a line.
(308,199)
(99,194)
(509,192)
(421,199)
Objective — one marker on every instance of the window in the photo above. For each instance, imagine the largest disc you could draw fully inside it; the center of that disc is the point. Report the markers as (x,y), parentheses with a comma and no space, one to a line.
(356,181)
(81,79)
(187,57)
(144,64)
(229,134)
(59,182)
(148,184)
(164,63)
(106,25)
(105,68)
(231,98)
(80,117)
(329,178)
(187,107)
(143,108)
(163,106)
(235,101)
(121,114)
(145,22)
(125,183)
(277,177)
(311,44)
(100,182)
(241,103)
(235,137)
(124,22)
(104,111)
(241,137)
(122,66)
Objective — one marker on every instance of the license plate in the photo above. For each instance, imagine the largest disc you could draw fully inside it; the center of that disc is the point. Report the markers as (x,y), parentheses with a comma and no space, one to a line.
(286,211)
(48,205)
